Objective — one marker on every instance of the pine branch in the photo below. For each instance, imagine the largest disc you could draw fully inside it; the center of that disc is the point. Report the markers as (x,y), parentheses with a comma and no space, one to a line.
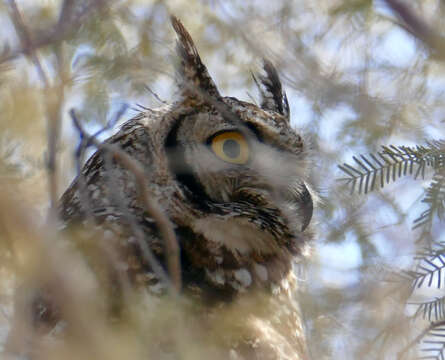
(393,162)
(427,270)
(434,329)
(435,348)
(435,199)
(436,250)
(433,310)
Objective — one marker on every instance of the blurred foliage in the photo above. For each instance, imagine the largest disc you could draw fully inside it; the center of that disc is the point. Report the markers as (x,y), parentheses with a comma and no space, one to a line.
(359,76)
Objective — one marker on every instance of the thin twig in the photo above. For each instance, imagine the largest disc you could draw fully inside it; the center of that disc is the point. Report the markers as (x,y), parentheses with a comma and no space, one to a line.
(162,221)
(79,156)
(109,252)
(26,40)
(53,110)
(155,95)
(84,143)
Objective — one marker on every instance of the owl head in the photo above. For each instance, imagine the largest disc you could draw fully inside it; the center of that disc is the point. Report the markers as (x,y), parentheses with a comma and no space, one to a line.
(235,172)
(230,175)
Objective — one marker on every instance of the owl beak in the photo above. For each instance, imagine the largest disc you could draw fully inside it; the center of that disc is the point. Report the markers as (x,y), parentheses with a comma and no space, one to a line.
(306,206)
(299,204)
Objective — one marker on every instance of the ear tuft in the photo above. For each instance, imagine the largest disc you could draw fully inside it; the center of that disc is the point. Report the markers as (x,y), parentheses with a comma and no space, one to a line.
(194,79)
(272,95)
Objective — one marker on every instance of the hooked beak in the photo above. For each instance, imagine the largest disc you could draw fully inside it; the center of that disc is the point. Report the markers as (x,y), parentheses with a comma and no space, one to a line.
(300,204)
(306,206)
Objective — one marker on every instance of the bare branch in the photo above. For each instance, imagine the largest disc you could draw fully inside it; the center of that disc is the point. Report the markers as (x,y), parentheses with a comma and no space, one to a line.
(155,95)
(26,40)
(67,23)
(419,28)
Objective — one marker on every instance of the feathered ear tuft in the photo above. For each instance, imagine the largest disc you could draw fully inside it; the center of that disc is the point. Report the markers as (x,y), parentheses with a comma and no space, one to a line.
(194,79)
(272,95)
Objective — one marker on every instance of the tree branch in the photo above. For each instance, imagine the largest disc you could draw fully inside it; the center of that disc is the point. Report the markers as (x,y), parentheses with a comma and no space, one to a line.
(26,40)
(419,28)
(66,24)
(150,205)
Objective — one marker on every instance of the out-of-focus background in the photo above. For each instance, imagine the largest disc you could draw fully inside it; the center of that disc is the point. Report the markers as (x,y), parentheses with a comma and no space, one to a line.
(359,74)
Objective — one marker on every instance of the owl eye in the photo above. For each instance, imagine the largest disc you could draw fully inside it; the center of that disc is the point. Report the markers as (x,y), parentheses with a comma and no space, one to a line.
(231,146)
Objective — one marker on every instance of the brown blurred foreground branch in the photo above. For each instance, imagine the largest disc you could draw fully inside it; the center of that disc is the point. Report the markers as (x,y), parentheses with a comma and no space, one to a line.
(419,28)
(150,205)
(38,261)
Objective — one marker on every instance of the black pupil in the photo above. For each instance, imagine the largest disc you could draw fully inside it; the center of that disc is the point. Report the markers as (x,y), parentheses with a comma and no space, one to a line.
(231,148)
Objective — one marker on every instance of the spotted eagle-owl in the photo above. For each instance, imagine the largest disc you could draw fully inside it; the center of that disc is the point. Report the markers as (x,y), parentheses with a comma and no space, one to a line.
(231,176)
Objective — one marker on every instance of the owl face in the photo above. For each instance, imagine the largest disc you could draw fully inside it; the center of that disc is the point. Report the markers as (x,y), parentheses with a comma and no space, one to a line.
(242,167)
(244,170)
(230,175)
(244,173)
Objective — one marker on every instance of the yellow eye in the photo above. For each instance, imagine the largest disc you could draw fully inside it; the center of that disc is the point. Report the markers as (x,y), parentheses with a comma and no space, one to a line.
(231,146)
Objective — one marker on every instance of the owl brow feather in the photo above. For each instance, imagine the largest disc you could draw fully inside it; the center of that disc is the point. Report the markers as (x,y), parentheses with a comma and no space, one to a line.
(196,79)
(197,82)
(272,95)
(193,74)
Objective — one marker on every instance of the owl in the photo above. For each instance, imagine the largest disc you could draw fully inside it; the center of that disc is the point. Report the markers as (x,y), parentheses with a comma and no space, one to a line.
(231,177)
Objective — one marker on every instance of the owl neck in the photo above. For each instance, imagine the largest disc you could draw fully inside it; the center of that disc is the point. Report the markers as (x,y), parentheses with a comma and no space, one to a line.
(217,273)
